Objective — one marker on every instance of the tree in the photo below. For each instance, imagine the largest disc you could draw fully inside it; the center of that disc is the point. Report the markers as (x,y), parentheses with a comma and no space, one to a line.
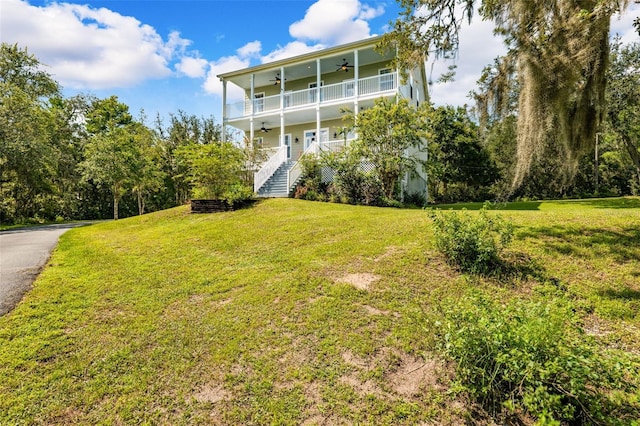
(148,177)
(623,99)
(111,159)
(112,155)
(390,136)
(215,170)
(560,48)
(456,157)
(183,130)
(27,156)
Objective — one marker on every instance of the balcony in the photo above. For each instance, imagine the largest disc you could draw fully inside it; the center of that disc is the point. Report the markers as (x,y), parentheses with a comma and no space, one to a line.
(368,87)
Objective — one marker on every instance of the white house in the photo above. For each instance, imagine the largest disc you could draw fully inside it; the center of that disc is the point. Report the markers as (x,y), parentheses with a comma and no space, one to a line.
(293,105)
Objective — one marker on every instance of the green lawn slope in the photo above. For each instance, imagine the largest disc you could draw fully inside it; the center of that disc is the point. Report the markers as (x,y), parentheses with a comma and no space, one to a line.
(289,312)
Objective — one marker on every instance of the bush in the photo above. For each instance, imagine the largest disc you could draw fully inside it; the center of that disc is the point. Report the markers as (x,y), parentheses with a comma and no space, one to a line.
(238,194)
(530,357)
(471,242)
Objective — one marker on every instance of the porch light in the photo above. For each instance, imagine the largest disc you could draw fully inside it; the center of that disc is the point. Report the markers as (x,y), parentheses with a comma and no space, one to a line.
(297,140)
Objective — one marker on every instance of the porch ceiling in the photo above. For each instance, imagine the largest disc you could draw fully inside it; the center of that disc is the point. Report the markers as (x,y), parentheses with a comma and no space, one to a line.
(305,67)
(292,118)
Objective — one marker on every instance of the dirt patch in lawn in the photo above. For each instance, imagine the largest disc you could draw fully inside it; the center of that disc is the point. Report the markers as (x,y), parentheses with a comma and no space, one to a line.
(211,392)
(361,281)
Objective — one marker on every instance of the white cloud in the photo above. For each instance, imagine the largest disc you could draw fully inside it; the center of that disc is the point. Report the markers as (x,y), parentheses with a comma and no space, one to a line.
(622,25)
(478,48)
(367,12)
(335,21)
(193,67)
(289,50)
(212,84)
(250,50)
(89,48)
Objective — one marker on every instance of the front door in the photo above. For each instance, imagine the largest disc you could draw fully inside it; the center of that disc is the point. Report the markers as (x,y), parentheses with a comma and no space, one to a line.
(309,138)
(287,142)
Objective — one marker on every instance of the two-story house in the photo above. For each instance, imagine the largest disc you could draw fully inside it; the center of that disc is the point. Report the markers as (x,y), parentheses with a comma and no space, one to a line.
(295,105)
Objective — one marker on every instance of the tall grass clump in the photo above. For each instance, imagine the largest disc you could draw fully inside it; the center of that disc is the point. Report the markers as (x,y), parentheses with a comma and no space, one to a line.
(531,359)
(471,242)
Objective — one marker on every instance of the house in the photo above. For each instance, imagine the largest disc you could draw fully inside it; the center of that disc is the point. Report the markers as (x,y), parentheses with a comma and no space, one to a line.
(294,105)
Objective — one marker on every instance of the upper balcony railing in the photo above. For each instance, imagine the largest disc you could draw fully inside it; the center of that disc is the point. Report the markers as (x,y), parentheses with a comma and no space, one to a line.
(345,90)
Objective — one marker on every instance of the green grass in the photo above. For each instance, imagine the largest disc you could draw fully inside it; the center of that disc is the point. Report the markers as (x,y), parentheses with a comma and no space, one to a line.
(245,317)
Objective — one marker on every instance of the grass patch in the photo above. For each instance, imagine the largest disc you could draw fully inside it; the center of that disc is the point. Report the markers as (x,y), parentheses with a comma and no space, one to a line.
(253,317)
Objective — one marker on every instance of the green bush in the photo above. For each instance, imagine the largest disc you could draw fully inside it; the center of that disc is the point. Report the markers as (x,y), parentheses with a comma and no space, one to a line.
(530,358)
(471,242)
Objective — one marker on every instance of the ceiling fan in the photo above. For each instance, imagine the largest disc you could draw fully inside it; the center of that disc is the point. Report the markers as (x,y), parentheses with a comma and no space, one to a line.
(264,129)
(277,80)
(344,66)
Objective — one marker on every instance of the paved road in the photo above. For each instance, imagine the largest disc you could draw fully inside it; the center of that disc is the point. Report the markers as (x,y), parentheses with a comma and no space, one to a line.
(23,253)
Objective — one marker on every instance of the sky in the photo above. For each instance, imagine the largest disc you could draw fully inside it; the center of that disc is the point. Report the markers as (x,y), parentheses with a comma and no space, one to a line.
(162,56)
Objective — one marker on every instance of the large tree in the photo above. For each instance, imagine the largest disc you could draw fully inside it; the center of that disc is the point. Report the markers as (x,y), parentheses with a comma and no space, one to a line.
(623,99)
(390,136)
(112,154)
(27,156)
(560,49)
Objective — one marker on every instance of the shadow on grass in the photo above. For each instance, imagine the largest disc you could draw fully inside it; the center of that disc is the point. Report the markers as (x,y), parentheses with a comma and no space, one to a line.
(621,244)
(517,205)
(622,294)
(607,203)
(598,203)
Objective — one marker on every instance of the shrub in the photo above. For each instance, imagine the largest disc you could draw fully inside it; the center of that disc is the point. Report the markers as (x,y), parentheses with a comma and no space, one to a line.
(471,242)
(238,194)
(530,357)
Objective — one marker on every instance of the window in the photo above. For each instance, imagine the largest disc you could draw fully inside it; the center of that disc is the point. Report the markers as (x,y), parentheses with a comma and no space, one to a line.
(258,102)
(386,79)
(348,88)
(314,90)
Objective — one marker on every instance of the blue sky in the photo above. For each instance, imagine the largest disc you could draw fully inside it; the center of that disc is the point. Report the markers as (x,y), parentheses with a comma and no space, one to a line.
(164,55)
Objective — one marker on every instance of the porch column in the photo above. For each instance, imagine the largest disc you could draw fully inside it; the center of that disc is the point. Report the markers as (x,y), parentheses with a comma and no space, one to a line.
(356,84)
(281,128)
(281,88)
(318,88)
(224,109)
(251,131)
(252,91)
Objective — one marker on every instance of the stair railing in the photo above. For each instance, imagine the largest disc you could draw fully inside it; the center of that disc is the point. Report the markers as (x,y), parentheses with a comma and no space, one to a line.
(269,168)
(296,170)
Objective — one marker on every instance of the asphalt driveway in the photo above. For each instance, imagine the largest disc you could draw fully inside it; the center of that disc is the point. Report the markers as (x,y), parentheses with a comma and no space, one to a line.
(23,254)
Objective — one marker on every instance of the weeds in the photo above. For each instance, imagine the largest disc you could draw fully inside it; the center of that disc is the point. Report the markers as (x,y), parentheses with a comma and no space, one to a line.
(471,242)
(531,357)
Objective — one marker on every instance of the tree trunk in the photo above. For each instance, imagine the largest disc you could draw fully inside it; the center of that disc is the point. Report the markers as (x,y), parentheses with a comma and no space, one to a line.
(140,203)
(115,201)
(633,153)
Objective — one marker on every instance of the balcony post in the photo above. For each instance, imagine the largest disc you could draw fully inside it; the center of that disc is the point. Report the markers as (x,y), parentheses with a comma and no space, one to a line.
(252,92)
(281,89)
(224,109)
(251,131)
(356,77)
(318,80)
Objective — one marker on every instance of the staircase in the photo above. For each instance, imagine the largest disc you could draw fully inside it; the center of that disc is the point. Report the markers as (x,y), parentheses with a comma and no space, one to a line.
(276,185)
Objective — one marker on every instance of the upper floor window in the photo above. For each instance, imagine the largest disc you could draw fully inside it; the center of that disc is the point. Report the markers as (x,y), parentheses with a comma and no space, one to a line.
(386,79)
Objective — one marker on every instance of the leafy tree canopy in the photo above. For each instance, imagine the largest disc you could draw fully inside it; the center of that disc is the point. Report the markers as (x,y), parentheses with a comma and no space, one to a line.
(560,50)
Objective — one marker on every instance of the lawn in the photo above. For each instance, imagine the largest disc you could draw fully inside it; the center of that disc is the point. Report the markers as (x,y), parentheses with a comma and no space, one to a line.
(291,312)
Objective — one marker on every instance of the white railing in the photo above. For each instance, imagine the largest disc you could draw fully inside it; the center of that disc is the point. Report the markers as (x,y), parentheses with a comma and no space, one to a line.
(377,84)
(269,168)
(296,170)
(334,146)
(334,92)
